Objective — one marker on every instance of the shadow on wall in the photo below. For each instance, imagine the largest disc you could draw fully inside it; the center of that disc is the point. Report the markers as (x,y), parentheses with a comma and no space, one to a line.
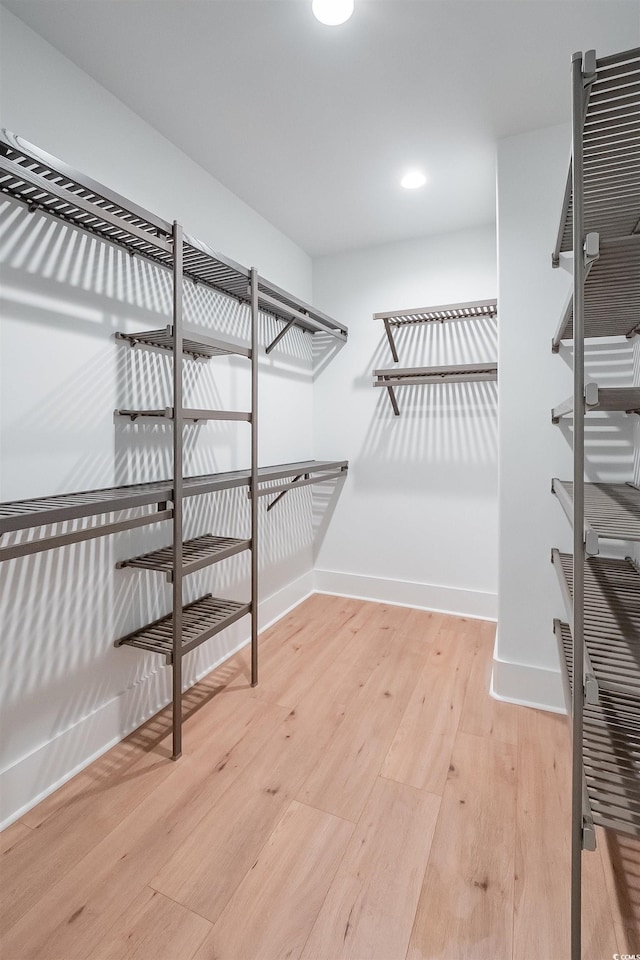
(441,426)
(66,295)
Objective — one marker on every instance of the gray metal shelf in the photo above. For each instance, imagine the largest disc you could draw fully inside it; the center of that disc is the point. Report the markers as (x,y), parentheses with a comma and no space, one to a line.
(201,620)
(472,310)
(611,152)
(61,508)
(43,182)
(609,399)
(611,510)
(194,344)
(611,293)
(197,553)
(610,750)
(188,413)
(611,622)
(412,376)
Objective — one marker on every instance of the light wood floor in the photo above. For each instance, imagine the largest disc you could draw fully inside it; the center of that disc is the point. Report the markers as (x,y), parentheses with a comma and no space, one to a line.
(368,801)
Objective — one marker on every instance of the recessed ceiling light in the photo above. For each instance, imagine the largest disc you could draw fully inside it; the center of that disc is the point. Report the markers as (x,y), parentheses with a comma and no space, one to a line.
(332,12)
(413,179)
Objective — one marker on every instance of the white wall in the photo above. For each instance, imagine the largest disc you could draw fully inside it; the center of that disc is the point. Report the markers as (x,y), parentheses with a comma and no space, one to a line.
(416,522)
(67,693)
(531,177)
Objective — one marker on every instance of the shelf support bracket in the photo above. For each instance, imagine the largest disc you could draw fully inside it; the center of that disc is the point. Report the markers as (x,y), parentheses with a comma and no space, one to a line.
(394,402)
(277,499)
(392,343)
(276,340)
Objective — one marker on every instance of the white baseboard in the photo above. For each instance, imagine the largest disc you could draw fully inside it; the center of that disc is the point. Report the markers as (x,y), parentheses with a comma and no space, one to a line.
(404,593)
(33,777)
(526,685)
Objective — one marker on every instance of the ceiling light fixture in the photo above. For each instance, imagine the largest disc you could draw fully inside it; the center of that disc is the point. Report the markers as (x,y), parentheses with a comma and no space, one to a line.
(413,179)
(332,12)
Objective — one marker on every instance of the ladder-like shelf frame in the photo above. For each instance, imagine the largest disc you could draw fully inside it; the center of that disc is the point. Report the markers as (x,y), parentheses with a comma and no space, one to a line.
(600,225)
(43,182)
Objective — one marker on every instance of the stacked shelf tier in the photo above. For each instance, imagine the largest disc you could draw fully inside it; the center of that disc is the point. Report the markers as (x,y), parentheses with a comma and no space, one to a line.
(608,399)
(194,343)
(611,294)
(611,620)
(610,748)
(197,553)
(201,620)
(611,145)
(612,510)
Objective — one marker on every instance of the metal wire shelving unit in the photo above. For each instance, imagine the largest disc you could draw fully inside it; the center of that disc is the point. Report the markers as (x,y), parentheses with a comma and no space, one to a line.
(43,182)
(599,645)
(391,377)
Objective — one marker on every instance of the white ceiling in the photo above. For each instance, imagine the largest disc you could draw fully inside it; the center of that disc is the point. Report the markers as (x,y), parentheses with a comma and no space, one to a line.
(313,125)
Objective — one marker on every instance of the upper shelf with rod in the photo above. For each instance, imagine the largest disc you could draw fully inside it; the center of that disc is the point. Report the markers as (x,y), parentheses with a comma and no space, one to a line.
(44,182)
(60,508)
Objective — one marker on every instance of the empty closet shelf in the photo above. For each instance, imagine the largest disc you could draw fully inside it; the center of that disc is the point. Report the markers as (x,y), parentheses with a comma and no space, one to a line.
(42,511)
(194,344)
(611,293)
(197,553)
(611,751)
(201,620)
(458,373)
(611,619)
(441,314)
(611,510)
(610,399)
(187,414)
(44,182)
(610,139)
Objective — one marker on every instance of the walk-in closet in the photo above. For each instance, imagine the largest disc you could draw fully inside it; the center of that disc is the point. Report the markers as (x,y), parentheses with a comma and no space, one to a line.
(294,667)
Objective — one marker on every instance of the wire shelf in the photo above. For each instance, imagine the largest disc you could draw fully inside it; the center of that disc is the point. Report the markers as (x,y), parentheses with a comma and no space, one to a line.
(194,345)
(441,314)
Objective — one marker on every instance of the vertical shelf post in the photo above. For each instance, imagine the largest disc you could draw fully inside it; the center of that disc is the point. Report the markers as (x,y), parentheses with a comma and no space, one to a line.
(577,772)
(254,477)
(177,491)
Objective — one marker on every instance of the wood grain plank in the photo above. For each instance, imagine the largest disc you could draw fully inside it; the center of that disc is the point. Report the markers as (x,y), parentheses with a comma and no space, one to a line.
(481,714)
(272,911)
(238,826)
(153,928)
(621,863)
(78,909)
(12,835)
(466,904)
(342,781)
(371,904)
(421,748)
(543,849)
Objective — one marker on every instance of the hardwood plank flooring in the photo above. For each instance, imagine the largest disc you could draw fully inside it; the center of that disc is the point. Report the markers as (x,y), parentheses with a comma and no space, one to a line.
(272,911)
(368,800)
